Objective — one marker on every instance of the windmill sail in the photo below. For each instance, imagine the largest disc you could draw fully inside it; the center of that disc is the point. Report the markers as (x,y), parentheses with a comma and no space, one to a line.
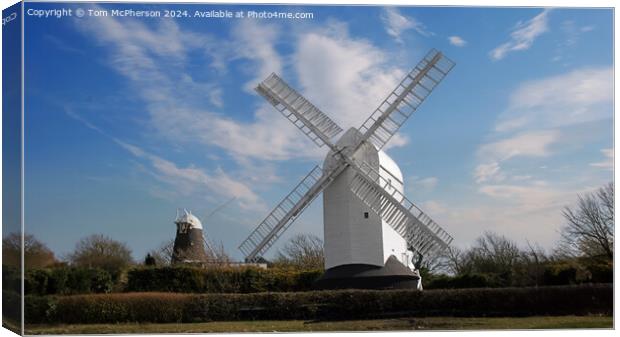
(285,213)
(421,233)
(308,118)
(406,98)
(209,246)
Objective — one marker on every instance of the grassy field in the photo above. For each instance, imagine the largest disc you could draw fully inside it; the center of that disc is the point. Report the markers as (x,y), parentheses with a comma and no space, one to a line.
(428,323)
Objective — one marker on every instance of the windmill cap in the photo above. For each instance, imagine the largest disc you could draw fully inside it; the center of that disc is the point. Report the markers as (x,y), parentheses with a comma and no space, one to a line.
(390,165)
(188,217)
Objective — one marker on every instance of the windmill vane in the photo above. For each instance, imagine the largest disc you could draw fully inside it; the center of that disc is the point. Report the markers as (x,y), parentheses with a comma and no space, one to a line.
(372,231)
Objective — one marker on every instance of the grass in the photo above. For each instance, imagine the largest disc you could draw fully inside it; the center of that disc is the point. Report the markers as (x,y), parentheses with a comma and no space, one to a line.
(11,325)
(427,323)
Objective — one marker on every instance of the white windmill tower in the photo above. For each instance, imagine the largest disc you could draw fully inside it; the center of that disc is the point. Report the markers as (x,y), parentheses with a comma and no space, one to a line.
(369,225)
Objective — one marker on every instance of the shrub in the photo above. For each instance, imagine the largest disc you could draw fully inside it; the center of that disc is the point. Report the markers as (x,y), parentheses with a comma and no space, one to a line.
(11,279)
(473,280)
(35,281)
(219,280)
(65,280)
(337,304)
(11,305)
(560,274)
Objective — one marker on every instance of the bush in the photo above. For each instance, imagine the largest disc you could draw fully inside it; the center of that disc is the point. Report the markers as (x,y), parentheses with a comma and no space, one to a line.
(473,280)
(11,279)
(11,305)
(65,280)
(560,274)
(219,280)
(337,304)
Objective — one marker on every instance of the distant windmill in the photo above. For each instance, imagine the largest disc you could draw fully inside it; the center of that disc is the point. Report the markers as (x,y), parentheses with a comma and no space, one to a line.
(369,225)
(189,244)
(192,243)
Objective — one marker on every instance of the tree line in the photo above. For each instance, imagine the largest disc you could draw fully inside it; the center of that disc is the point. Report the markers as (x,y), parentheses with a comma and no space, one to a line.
(584,252)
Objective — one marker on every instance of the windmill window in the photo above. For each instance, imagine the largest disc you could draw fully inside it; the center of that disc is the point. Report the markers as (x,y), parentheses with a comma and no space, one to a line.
(365,215)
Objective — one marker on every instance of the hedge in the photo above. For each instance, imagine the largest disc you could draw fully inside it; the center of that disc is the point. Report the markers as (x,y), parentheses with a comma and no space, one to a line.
(220,280)
(340,304)
(11,305)
(65,280)
(473,280)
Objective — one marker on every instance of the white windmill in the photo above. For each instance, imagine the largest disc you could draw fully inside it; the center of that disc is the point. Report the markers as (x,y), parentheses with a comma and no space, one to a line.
(368,223)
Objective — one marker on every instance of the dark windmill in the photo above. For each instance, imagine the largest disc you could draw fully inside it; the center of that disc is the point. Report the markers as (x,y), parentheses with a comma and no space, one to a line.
(190,244)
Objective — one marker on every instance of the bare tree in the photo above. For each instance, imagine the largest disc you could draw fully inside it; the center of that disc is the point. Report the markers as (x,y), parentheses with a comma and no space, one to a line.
(492,253)
(218,255)
(531,266)
(36,253)
(101,251)
(589,229)
(163,253)
(451,261)
(302,251)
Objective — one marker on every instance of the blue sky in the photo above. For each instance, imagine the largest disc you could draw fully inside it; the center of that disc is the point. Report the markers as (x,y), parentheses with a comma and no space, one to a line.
(128,119)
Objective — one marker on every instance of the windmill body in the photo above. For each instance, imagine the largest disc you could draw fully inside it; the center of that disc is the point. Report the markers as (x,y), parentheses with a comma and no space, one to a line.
(191,245)
(188,243)
(371,229)
(354,234)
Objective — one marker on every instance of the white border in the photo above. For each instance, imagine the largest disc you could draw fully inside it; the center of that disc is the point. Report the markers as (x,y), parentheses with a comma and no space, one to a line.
(481,3)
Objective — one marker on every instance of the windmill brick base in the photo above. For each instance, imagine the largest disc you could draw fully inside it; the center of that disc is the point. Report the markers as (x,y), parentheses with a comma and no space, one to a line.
(393,275)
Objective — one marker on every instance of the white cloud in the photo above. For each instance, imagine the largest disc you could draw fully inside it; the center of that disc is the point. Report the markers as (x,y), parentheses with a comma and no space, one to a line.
(343,76)
(346,78)
(185,181)
(433,207)
(525,144)
(608,162)
(256,42)
(522,212)
(396,24)
(175,101)
(192,180)
(587,28)
(457,41)
(523,36)
(579,96)
(516,195)
(488,171)
(534,143)
(427,184)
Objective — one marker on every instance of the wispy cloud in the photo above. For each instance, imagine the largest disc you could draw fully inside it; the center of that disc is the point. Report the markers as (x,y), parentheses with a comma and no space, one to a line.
(525,144)
(189,180)
(396,24)
(534,143)
(572,34)
(532,124)
(256,43)
(175,101)
(457,41)
(608,162)
(344,76)
(62,44)
(517,194)
(523,211)
(192,180)
(523,36)
(426,184)
(488,171)
(579,96)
